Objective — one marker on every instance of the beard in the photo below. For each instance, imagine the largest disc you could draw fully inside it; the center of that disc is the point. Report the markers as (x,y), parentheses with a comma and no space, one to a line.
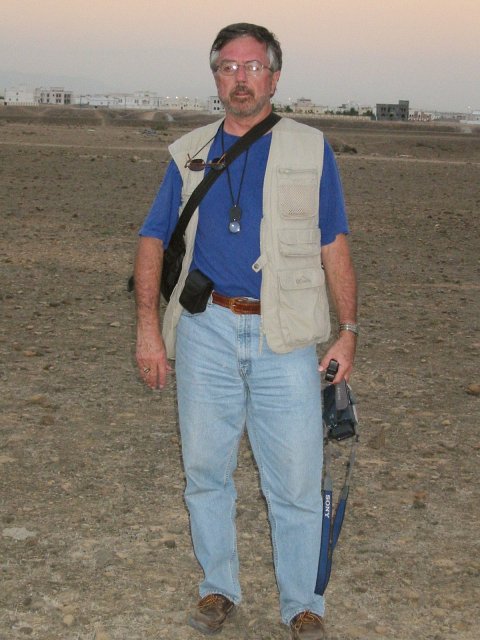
(241,102)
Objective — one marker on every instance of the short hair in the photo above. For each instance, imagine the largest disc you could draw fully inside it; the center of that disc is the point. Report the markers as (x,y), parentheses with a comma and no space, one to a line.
(242,29)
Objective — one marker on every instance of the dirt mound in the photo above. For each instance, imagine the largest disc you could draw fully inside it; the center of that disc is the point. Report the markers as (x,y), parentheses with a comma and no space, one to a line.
(100,115)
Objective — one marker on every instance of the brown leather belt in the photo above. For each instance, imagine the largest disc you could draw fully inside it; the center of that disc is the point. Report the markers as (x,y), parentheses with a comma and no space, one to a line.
(237,305)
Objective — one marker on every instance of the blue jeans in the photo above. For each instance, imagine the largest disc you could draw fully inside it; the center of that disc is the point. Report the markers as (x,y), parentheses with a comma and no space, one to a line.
(227,377)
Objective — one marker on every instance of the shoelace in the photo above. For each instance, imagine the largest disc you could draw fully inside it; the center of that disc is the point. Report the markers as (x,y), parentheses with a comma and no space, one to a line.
(209,600)
(306,617)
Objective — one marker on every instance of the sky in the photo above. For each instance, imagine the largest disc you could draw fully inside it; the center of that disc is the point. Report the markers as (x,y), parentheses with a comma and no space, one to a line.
(364,51)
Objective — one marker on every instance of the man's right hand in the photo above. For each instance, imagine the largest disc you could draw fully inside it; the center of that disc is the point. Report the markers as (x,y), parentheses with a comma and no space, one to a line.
(152,359)
(151,354)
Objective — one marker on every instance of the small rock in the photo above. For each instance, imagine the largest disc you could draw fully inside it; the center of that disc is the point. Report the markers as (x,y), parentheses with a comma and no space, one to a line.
(170,543)
(378,441)
(33,603)
(473,389)
(444,563)
(18,533)
(115,324)
(410,595)
(381,630)
(105,558)
(68,620)
(419,500)
(39,399)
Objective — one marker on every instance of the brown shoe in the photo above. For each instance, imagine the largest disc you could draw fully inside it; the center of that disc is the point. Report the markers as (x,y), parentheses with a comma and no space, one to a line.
(308,626)
(210,613)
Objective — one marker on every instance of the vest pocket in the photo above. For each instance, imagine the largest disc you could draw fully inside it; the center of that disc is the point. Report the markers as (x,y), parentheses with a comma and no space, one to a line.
(298,193)
(299,242)
(300,298)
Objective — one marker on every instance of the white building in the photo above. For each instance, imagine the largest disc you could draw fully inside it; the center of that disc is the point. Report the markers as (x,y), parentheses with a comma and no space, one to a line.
(179,103)
(20,96)
(41,95)
(306,106)
(141,100)
(420,116)
(214,105)
(53,95)
(473,118)
(101,100)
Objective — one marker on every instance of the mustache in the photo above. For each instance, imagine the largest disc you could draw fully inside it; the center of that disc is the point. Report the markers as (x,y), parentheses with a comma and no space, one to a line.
(241,88)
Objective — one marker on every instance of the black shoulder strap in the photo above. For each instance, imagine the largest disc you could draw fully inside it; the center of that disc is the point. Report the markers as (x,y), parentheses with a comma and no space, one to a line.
(199,192)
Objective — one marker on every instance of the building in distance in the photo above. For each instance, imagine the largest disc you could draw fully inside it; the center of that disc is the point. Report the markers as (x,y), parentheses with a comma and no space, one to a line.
(25,97)
(393,112)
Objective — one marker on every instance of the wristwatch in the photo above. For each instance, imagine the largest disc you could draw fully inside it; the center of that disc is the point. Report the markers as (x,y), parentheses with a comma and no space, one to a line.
(349,326)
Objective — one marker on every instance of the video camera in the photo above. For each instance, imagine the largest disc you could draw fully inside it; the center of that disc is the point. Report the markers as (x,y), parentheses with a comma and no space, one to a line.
(339,413)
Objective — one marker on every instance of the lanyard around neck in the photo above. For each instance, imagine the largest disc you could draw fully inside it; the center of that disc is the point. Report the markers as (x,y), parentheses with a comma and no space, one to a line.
(235,214)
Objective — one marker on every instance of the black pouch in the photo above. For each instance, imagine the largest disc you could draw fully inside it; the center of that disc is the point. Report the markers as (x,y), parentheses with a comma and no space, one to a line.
(196,292)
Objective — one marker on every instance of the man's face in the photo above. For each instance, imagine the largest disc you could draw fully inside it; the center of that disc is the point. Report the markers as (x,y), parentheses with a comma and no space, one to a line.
(245,95)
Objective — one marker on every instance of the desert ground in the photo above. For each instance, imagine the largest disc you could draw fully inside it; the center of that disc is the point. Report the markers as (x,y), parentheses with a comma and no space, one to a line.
(94,537)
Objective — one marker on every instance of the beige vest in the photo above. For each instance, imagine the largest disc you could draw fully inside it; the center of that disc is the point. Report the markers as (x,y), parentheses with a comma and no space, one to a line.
(293,296)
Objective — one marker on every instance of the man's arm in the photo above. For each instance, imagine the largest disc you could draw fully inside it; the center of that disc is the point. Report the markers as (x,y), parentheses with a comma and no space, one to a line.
(151,354)
(342,285)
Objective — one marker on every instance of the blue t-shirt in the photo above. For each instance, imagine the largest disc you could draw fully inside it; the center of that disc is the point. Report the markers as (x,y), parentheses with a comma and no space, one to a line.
(225,257)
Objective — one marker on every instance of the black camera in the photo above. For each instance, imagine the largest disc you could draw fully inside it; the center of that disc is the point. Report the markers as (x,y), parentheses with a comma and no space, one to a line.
(339,414)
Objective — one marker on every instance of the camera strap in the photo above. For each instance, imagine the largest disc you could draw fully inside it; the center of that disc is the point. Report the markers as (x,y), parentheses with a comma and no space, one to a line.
(200,191)
(332,521)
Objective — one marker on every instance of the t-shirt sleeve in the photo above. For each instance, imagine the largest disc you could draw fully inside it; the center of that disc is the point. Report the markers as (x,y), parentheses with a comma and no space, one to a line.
(333,216)
(163,216)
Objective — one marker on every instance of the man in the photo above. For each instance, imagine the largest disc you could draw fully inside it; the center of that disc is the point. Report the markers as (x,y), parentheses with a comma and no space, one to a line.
(249,359)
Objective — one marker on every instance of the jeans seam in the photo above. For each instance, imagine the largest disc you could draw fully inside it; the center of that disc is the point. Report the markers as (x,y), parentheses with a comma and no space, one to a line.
(228,476)
(266,493)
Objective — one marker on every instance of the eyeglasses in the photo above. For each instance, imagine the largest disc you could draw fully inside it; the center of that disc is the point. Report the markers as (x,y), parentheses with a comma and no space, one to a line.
(197,164)
(230,67)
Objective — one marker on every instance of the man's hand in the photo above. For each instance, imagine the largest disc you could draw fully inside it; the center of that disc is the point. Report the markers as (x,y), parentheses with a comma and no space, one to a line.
(152,359)
(151,354)
(343,351)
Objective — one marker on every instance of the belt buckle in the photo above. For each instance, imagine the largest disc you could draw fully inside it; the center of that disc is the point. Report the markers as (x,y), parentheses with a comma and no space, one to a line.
(237,303)
(233,304)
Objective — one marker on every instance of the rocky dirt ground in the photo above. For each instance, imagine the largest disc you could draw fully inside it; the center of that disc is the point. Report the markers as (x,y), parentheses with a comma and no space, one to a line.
(94,541)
